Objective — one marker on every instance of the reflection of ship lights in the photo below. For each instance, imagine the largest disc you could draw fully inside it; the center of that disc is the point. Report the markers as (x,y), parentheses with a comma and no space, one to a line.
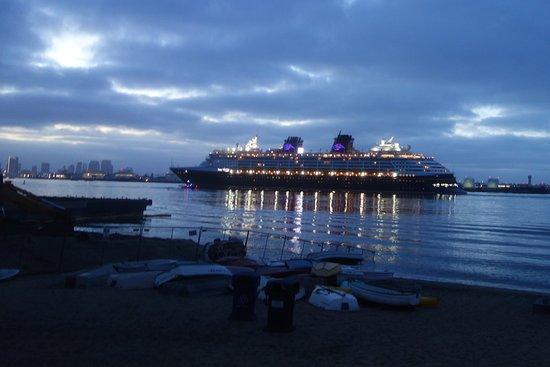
(188,185)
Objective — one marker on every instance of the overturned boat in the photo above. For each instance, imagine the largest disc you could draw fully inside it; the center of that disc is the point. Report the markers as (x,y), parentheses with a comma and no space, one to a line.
(384,296)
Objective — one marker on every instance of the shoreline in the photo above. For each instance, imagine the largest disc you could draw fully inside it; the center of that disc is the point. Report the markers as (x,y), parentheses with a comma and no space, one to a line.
(50,255)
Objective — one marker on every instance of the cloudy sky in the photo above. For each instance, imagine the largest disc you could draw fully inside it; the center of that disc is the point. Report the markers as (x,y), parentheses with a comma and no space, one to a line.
(148,83)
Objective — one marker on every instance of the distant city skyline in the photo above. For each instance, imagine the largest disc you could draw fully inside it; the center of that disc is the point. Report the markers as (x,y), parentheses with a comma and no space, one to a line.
(13,165)
(146,85)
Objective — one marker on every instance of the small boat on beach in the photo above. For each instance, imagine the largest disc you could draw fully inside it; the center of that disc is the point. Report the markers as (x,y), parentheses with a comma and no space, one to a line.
(135,280)
(384,296)
(193,271)
(6,274)
(357,273)
(335,256)
(325,269)
(148,265)
(333,300)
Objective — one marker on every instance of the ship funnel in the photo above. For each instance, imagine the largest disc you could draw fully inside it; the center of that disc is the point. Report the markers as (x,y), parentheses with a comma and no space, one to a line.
(293,144)
(342,144)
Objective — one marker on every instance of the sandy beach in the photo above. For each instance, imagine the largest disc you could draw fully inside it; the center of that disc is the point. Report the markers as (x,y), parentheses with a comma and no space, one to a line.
(46,324)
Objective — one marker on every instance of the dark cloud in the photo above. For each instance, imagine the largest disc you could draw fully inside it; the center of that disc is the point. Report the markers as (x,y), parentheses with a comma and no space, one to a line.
(201,74)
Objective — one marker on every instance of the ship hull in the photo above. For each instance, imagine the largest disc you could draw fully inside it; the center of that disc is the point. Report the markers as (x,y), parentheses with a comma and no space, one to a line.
(208,179)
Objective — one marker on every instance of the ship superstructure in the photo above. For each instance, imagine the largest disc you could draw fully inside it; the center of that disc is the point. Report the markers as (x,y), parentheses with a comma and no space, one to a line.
(388,166)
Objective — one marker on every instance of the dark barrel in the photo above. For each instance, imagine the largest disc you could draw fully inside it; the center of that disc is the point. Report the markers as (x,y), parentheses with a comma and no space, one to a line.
(245,292)
(280,295)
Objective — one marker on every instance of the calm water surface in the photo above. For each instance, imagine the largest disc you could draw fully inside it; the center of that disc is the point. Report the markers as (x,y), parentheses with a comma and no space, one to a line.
(487,239)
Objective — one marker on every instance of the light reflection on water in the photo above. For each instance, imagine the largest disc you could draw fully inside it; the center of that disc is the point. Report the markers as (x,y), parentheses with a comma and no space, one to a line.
(494,239)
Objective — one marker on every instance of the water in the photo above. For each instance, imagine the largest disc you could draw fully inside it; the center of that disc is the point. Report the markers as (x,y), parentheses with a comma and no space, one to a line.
(485,239)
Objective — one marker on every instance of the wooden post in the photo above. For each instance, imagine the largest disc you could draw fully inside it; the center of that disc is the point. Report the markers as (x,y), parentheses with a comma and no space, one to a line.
(265,246)
(283,248)
(198,244)
(246,241)
(61,254)
(140,240)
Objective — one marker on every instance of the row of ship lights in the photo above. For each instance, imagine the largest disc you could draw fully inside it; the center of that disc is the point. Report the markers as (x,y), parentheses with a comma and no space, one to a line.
(314,173)
(333,173)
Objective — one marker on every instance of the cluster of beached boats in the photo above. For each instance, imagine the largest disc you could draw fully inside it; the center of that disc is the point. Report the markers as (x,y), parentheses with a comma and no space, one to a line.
(336,278)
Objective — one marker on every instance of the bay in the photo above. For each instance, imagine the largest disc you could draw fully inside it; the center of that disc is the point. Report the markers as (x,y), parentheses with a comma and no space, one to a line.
(496,240)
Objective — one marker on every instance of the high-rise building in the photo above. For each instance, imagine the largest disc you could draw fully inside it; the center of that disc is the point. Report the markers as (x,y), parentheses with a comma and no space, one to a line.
(13,167)
(84,167)
(93,166)
(44,168)
(34,171)
(78,169)
(70,169)
(106,167)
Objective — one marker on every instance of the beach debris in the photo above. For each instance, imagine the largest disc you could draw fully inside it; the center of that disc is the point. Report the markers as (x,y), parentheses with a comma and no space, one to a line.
(541,306)
(384,295)
(332,299)
(6,274)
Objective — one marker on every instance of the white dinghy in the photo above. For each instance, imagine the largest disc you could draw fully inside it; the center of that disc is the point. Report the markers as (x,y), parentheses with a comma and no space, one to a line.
(6,274)
(359,273)
(136,280)
(333,300)
(90,278)
(193,271)
(384,296)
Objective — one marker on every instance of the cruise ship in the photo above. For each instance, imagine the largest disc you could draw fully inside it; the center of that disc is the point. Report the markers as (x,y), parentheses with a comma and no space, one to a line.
(386,167)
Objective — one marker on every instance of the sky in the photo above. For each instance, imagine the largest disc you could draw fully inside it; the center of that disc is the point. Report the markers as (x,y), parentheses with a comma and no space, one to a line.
(154,83)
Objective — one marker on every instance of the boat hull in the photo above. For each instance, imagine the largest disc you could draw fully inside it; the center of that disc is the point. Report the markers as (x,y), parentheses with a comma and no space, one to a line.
(210,179)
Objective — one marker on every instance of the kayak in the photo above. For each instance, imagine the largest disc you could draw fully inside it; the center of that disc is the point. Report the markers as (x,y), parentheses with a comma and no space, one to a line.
(239,261)
(339,257)
(6,274)
(384,296)
(333,300)
(193,271)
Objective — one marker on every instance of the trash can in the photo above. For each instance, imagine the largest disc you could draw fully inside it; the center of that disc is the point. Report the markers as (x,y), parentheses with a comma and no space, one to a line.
(245,291)
(280,295)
